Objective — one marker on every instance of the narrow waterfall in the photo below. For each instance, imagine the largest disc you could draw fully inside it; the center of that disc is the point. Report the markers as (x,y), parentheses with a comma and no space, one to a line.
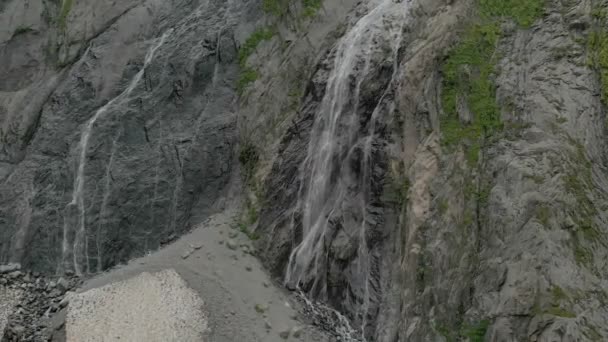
(77,225)
(336,134)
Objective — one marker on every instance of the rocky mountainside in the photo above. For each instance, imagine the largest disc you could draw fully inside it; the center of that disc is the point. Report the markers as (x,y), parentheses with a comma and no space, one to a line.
(434,170)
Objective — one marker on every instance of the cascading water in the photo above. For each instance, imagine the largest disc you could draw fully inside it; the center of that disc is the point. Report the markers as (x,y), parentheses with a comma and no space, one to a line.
(76,210)
(335,135)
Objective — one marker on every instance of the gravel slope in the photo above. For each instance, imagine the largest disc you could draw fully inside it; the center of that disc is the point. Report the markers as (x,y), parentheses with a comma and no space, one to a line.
(152,307)
(240,301)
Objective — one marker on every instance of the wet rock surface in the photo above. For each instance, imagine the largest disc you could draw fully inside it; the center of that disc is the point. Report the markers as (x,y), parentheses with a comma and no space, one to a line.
(98,142)
(119,123)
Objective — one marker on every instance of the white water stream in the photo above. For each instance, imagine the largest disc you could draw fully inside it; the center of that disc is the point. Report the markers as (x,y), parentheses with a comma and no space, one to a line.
(79,247)
(335,134)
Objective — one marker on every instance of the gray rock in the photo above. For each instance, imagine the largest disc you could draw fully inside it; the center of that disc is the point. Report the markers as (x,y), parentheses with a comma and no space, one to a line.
(296,332)
(15,274)
(9,268)
(187,253)
(232,244)
(284,334)
(143,164)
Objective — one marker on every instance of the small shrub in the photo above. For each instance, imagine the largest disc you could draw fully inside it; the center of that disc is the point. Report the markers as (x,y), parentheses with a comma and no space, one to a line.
(476,332)
(311,7)
(252,43)
(248,157)
(247,76)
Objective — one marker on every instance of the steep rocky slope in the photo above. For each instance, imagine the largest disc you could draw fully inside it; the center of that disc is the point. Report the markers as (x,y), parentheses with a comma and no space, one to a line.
(118,125)
(462,186)
(435,170)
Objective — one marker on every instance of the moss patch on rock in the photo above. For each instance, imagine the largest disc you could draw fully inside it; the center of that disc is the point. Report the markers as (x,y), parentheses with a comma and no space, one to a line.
(468,72)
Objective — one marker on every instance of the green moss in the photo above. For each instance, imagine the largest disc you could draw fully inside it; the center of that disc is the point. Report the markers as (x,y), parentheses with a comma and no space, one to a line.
(279,8)
(558,294)
(275,7)
(560,312)
(402,188)
(599,13)
(248,157)
(592,333)
(443,206)
(467,77)
(537,179)
(476,332)
(469,69)
(581,254)
(66,7)
(467,219)
(562,120)
(445,332)
(248,75)
(311,7)
(543,214)
(252,43)
(523,12)
(597,48)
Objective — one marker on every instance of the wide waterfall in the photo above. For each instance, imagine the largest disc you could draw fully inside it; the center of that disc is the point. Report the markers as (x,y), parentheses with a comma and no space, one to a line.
(75,211)
(337,134)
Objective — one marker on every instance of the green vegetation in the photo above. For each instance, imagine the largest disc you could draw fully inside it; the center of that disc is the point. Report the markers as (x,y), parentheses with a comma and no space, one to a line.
(311,7)
(476,332)
(473,332)
(402,188)
(468,73)
(592,333)
(543,214)
(597,47)
(252,43)
(443,206)
(560,312)
(523,12)
(598,57)
(558,294)
(558,299)
(66,7)
(581,254)
(248,157)
(275,7)
(248,75)
(279,8)
(467,79)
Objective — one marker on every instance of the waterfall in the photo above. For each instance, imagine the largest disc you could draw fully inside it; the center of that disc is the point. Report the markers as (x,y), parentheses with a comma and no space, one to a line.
(335,135)
(77,206)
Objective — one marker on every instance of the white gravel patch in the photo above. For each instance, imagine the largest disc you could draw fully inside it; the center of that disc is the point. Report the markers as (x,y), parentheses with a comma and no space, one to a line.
(8,299)
(147,308)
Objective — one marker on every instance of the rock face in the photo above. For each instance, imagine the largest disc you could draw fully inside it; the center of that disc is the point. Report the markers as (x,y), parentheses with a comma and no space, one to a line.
(119,137)
(427,223)
(433,170)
